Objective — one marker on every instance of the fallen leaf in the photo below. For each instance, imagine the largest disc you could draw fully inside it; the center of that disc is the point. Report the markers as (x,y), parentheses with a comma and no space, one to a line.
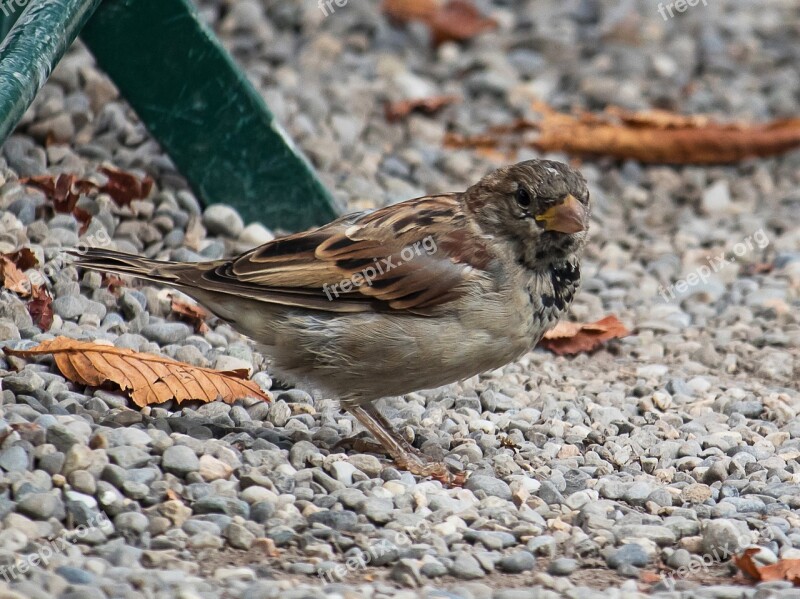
(125,187)
(650,577)
(569,338)
(41,308)
(24,258)
(195,314)
(404,11)
(654,136)
(454,20)
(459,20)
(746,564)
(12,266)
(785,569)
(397,110)
(147,378)
(65,190)
(112,282)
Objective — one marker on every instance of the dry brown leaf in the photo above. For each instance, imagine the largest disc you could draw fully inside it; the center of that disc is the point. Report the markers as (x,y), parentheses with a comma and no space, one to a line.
(65,190)
(568,338)
(41,308)
(459,20)
(650,577)
(654,136)
(453,20)
(397,110)
(147,378)
(112,282)
(24,258)
(193,313)
(125,187)
(785,569)
(11,267)
(404,11)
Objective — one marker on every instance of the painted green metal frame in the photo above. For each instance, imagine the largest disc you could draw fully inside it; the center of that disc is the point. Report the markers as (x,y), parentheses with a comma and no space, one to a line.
(185,88)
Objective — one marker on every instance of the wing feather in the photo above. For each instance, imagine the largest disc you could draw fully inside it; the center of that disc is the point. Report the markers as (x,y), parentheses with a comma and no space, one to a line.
(410,256)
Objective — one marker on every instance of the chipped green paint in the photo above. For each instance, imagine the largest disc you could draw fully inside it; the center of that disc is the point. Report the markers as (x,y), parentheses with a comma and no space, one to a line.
(205,113)
(34,45)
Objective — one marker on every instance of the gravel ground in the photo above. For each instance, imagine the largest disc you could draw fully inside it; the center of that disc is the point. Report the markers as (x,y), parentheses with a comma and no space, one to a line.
(636,470)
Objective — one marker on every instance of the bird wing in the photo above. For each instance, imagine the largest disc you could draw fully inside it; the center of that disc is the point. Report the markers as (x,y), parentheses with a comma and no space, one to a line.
(409,256)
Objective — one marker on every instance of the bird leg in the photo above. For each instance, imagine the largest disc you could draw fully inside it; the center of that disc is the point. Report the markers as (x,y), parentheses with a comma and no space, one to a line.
(405,455)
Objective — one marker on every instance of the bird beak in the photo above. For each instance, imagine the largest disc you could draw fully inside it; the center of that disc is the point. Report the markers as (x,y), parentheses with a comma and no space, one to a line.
(567,217)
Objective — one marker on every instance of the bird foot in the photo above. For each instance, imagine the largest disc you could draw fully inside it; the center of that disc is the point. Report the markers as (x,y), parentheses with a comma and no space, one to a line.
(436,470)
(405,456)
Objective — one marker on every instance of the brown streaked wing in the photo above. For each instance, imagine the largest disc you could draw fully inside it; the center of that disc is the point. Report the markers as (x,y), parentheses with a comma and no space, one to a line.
(445,254)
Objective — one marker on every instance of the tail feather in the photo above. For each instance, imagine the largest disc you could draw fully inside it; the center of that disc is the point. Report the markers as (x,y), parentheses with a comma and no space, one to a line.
(126,264)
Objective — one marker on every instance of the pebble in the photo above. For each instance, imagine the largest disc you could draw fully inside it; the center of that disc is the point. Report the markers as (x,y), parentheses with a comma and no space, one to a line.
(466,567)
(489,485)
(220,219)
(631,554)
(563,566)
(179,460)
(166,333)
(519,561)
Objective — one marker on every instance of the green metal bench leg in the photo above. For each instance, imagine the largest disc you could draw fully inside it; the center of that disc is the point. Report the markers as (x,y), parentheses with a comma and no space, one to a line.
(205,113)
(188,92)
(43,32)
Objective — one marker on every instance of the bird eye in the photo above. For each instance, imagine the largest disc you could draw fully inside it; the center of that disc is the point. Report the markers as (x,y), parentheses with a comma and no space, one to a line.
(523,197)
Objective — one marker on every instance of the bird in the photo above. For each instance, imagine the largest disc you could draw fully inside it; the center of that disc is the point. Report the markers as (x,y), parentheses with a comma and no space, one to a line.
(414,295)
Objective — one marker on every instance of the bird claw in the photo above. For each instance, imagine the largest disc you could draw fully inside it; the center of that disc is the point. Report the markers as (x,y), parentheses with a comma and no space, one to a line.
(419,466)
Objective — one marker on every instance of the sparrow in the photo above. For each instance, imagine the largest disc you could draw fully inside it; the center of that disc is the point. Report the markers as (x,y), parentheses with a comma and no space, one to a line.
(415,295)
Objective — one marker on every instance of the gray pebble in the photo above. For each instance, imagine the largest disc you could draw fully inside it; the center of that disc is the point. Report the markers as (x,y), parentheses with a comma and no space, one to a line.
(563,566)
(630,555)
(519,561)
(220,219)
(180,460)
(165,333)
(489,485)
(14,459)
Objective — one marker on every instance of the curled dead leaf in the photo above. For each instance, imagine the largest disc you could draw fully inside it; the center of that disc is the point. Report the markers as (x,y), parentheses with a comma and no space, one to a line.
(569,338)
(194,314)
(65,190)
(147,378)
(451,20)
(784,569)
(125,187)
(41,308)
(654,136)
(12,266)
(397,110)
